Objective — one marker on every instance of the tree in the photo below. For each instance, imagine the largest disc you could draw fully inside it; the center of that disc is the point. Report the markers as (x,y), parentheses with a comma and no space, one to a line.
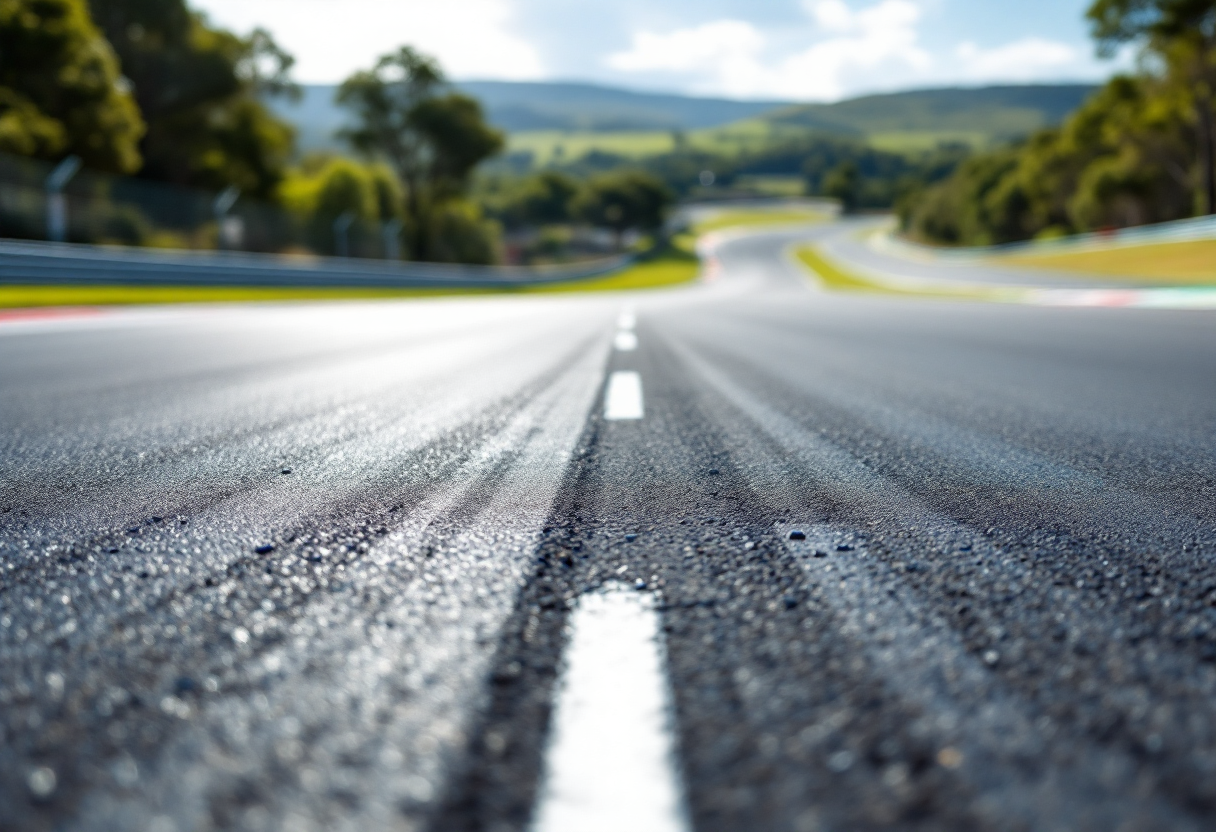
(433,138)
(326,187)
(623,201)
(60,87)
(1139,150)
(1124,158)
(545,198)
(1181,34)
(200,89)
(843,183)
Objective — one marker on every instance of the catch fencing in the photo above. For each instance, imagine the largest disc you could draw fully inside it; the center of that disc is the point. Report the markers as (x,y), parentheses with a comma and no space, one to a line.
(93,228)
(92,207)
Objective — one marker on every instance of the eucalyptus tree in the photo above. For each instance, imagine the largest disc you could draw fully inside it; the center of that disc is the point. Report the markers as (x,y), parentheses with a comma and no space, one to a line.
(61,89)
(1181,36)
(407,115)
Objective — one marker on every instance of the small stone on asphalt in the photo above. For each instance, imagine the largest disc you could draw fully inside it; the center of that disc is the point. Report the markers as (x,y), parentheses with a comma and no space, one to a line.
(42,781)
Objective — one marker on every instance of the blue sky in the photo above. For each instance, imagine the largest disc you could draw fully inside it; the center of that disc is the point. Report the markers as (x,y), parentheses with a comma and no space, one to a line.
(766,49)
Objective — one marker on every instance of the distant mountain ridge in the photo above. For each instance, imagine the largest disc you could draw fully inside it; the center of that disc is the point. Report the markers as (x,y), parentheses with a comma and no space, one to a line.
(519,106)
(1000,111)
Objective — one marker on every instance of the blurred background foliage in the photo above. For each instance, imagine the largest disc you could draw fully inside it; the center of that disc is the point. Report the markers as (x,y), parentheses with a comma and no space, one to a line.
(1140,150)
(61,89)
(166,110)
(200,90)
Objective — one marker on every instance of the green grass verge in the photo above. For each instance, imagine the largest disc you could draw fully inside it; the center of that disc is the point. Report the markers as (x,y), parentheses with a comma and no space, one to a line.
(1192,262)
(30,296)
(737,219)
(670,267)
(649,274)
(833,276)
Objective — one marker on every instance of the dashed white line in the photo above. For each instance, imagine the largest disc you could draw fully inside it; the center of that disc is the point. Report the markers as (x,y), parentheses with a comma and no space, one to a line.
(626,320)
(610,764)
(625,341)
(624,396)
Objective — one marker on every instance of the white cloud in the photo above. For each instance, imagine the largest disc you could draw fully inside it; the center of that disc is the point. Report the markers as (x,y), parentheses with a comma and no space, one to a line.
(731,56)
(728,51)
(1028,59)
(690,49)
(332,38)
(832,15)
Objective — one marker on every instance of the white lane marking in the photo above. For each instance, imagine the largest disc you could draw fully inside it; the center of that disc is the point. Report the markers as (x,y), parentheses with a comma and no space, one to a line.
(610,765)
(627,320)
(625,341)
(624,399)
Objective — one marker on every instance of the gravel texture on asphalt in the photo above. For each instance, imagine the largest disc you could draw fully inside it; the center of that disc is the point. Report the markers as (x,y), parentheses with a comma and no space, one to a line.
(920,565)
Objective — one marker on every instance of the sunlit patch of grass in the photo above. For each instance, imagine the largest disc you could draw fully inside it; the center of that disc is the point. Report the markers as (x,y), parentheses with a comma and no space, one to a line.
(772,185)
(549,146)
(745,218)
(834,276)
(1190,262)
(653,274)
(919,141)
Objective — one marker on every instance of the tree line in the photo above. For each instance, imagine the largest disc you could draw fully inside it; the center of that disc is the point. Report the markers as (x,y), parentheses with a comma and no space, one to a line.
(1142,149)
(150,88)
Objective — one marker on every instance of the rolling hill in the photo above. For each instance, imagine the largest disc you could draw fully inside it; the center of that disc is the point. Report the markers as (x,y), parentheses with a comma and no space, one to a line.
(518,107)
(573,118)
(1002,111)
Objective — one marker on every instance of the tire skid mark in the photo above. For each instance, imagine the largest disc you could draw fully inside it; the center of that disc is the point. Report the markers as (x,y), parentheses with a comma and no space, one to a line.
(430,447)
(1007,754)
(1142,667)
(480,508)
(306,434)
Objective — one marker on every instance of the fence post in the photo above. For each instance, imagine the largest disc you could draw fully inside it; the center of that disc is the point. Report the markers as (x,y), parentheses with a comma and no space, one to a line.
(342,233)
(56,202)
(391,232)
(220,207)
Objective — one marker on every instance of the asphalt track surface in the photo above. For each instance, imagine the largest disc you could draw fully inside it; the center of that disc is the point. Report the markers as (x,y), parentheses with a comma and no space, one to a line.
(919,564)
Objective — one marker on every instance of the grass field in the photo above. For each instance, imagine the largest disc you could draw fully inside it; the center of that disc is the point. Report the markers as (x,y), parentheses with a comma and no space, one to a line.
(916,141)
(548,146)
(753,135)
(772,184)
(1192,262)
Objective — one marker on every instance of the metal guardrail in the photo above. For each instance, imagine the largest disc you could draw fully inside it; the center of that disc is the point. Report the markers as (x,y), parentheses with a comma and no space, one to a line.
(37,263)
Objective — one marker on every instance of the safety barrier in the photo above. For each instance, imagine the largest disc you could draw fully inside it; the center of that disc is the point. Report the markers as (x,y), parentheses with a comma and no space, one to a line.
(38,263)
